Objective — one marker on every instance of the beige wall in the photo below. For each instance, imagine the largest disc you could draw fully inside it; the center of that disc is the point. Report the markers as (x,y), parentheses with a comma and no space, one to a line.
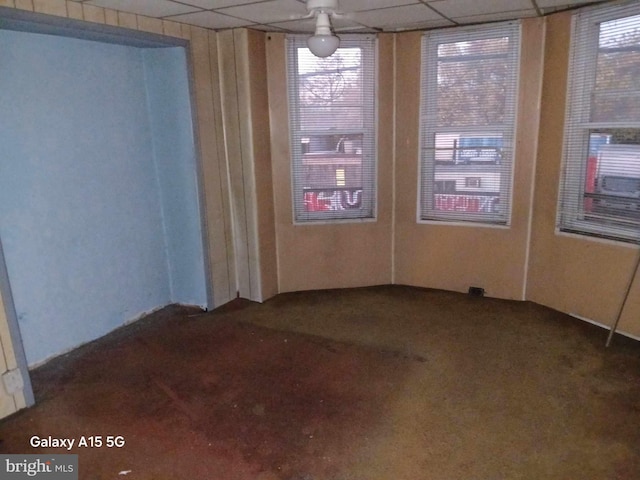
(214,169)
(245,115)
(261,145)
(457,257)
(318,256)
(577,275)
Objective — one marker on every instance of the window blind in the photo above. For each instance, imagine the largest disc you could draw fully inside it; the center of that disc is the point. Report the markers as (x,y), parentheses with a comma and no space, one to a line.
(332,115)
(468,106)
(600,182)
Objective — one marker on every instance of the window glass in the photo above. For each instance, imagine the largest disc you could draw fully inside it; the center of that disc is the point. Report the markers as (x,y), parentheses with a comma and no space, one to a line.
(600,190)
(469,83)
(332,112)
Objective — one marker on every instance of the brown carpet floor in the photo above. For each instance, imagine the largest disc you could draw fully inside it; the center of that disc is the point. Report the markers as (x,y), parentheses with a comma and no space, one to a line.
(375,383)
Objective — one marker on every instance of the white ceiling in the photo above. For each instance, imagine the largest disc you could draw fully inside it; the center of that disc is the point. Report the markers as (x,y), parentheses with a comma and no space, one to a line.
(355,15)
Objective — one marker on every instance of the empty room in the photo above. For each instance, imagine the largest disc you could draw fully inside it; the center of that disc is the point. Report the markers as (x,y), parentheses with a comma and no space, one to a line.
(320,239)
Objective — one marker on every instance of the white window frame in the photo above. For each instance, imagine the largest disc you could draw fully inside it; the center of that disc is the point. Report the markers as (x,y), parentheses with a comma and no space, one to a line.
(368,211)
(426,212)
(571,216)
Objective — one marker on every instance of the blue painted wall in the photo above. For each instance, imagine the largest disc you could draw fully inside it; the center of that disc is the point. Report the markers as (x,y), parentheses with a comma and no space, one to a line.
(88,217)
(174,152)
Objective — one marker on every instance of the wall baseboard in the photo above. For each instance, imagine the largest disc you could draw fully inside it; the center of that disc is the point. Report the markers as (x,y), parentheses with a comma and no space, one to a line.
(602,325)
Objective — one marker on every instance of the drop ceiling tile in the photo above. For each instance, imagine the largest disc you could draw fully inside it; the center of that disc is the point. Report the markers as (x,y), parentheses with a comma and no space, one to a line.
(345,22)
(214,4)
(267,28)
(339,23)
(211,20)
(359,15)
(268,12)
(424,25)
(305,25)
(561,3)
(360,5)
(496,17)
(355,29)
(149,8)
(397,17)
(457,8)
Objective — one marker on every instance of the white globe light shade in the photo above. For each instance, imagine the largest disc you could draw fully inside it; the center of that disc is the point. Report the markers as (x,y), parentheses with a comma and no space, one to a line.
(323,45)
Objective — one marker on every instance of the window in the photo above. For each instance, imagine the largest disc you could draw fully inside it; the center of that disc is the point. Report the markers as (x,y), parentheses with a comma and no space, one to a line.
(600,184)
(332,115)
(468,104)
